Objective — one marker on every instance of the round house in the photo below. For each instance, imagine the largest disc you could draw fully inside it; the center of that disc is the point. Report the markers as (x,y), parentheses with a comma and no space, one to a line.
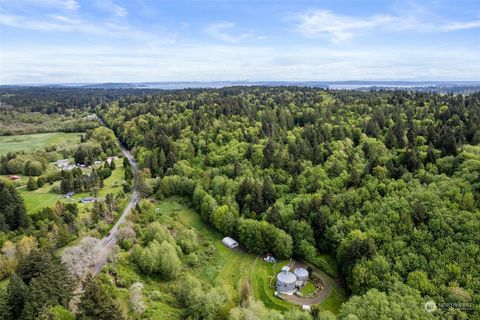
(286,282)
(302,276)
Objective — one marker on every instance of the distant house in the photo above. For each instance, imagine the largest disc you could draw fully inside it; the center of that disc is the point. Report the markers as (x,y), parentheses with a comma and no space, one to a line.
(97,162)
(110,159)
(63,163)
(69,195)
(14,178)
(87,200)
(92,116)
(270,258)
(229,242)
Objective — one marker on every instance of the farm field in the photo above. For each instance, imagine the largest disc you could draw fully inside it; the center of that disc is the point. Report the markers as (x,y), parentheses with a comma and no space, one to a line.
(30,142)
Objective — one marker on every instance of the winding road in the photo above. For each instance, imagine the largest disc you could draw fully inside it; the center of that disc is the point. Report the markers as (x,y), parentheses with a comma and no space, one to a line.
(109,241)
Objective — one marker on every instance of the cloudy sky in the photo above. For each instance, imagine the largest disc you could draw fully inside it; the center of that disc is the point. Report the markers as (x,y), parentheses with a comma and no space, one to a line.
(66,41)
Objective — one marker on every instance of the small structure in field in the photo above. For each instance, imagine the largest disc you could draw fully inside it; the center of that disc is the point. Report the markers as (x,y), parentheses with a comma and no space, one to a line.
(87,200)
(270,258)
(229,242)
(110,159)
(286,282)
(63,163)
(306,307)
(302,276)
(286,268)
(69,195)
(14,178)
(92,116)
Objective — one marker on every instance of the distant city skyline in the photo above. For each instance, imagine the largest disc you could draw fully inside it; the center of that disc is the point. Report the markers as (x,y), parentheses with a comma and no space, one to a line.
(69,41)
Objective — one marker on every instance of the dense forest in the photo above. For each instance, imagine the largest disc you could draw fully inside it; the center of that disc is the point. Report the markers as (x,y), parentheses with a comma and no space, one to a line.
(26,110)
(381,190)
(387,182)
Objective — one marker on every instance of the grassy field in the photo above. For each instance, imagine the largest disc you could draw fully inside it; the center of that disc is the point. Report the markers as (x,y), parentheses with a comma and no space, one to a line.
(223,267)
(113,184)
(42,197)
(29,142)
(309,288)
(227,268)
(263,280)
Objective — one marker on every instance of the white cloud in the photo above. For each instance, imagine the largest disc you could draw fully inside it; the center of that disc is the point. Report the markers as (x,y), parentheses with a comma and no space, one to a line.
(58,4)
(324,23)
(228,32)
(232,62)
(113,8)
(454,26)
(321,23)
(63,23)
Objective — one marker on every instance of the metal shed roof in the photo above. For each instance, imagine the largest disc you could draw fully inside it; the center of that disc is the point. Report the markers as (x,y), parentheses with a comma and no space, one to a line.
(301,272)
(286,277)
(229,241)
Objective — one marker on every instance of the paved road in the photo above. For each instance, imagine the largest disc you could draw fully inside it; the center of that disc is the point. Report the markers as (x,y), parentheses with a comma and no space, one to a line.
(108,242)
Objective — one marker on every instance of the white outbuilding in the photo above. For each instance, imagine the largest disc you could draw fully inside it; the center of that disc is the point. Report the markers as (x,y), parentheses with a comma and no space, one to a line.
(229,242)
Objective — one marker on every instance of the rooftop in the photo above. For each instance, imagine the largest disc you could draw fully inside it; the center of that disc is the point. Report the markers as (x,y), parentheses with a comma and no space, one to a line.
(286,277)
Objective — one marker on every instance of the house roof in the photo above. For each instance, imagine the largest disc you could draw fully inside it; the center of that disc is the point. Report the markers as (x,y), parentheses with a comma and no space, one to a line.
(286,277)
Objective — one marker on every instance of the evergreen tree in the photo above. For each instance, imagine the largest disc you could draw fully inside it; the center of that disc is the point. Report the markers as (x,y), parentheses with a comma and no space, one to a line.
(96,302)
(126,163)
(171,160)
(41,280)
(32,184)
(269,194)
(15,296)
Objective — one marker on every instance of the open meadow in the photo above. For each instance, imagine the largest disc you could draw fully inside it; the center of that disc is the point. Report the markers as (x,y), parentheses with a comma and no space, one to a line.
(31,142)
(43,197)
(224,268)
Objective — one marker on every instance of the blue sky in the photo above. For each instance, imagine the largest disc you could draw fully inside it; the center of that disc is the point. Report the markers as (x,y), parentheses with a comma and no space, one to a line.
(65,41)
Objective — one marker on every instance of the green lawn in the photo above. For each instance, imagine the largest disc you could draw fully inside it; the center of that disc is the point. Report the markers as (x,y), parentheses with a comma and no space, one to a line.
(309,288)
(114,183)
(263,282)
(42,197)
(230,268)
(29,142)
(223,268)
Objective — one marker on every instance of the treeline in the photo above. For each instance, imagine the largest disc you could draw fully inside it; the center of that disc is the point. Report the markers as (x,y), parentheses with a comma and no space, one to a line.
(96,144)
(29,164)
(42,288)
(13,122)
(50,100)
(386,182)
(76,181)
(13,214)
